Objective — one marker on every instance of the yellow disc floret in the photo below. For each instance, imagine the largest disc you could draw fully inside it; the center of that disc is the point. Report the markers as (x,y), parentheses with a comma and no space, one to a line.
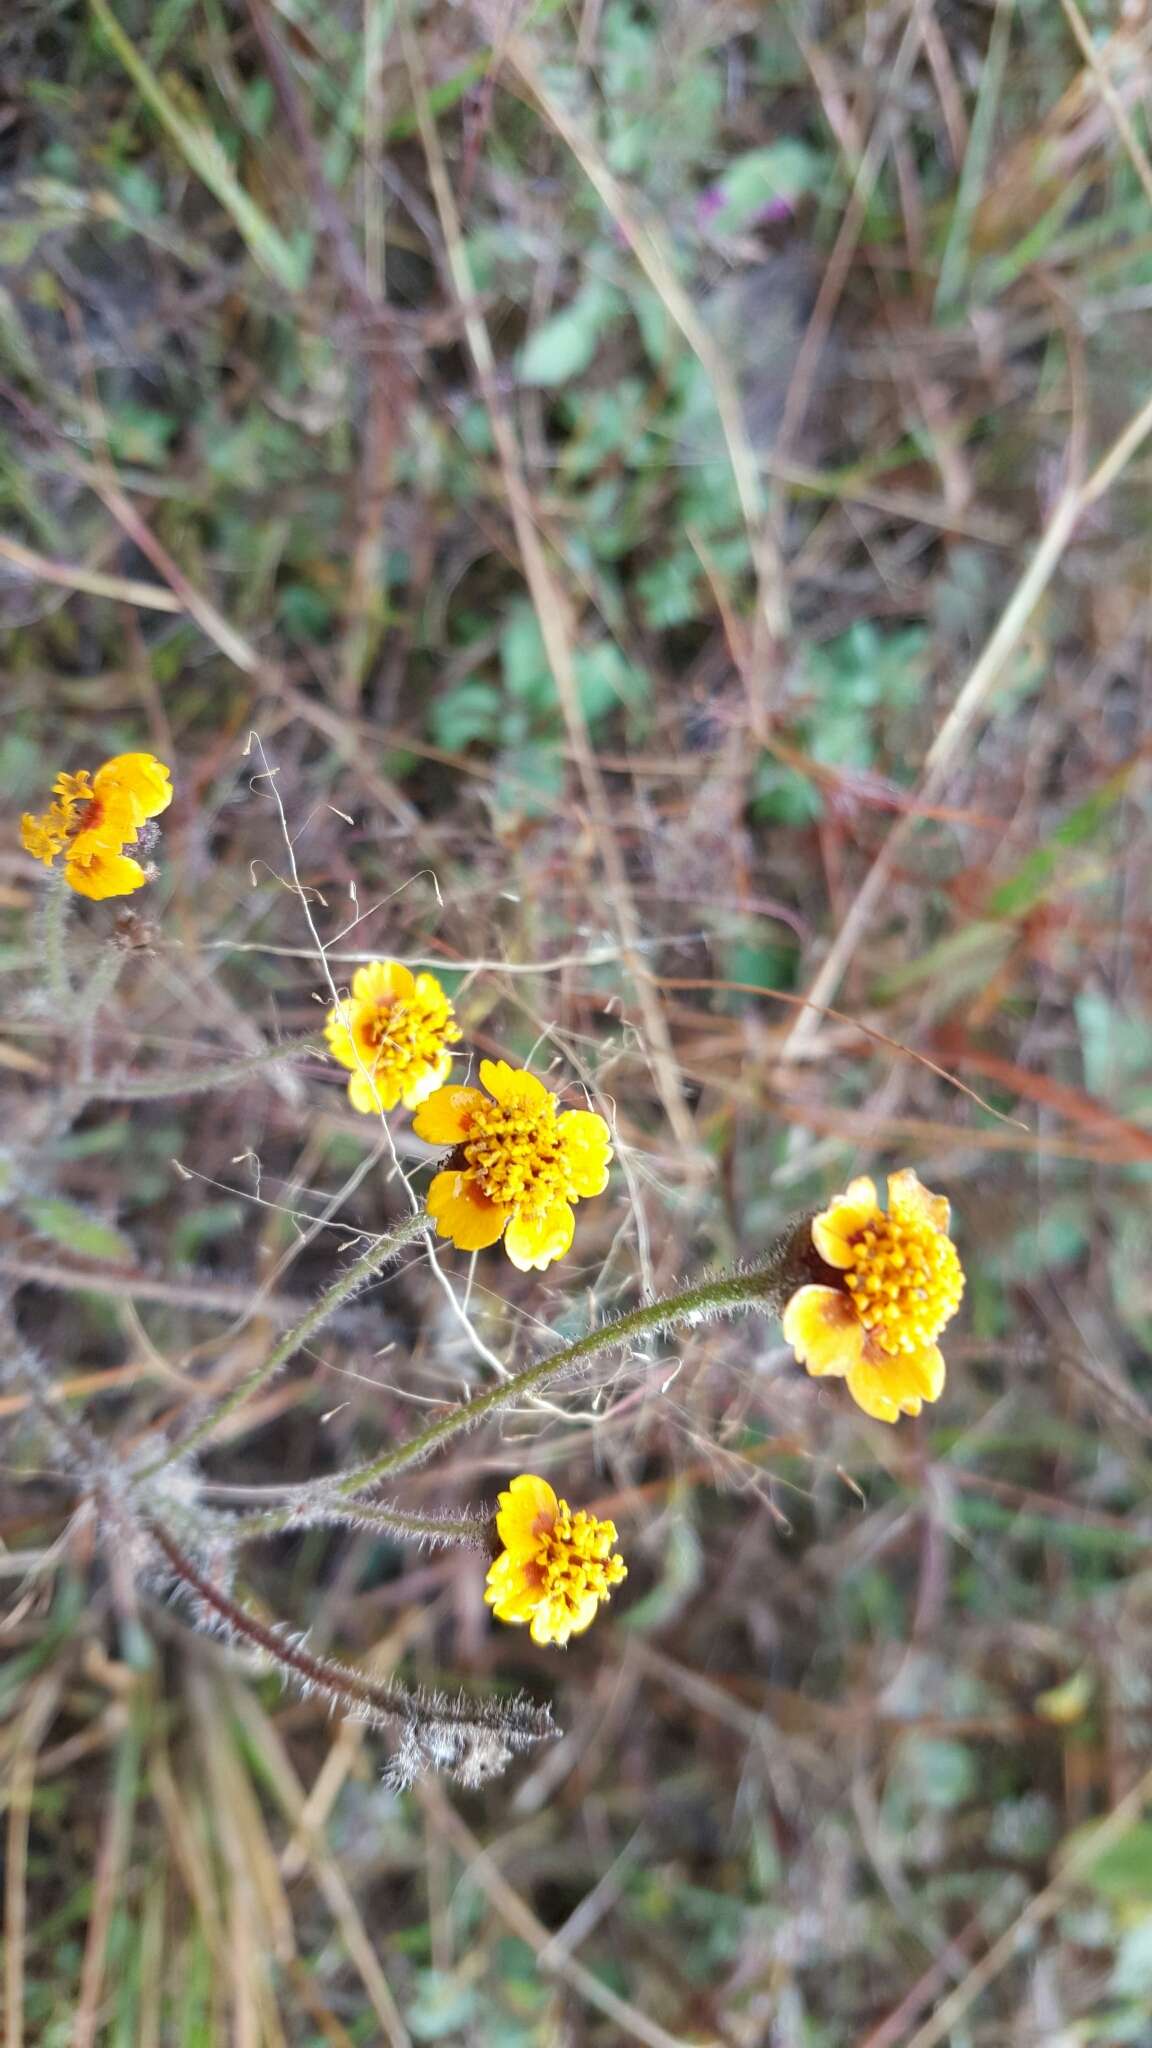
(516,1152)
(392,1030)
(519,1164)
(899,1281)
(906,1280)
(556,1567)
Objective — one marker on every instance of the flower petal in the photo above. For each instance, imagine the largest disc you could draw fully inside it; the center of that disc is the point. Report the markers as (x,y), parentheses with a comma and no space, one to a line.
(526,1511)
(821,1325)
(139,781)
(585,1614)
(372,1093)
(881,1391)
(547,1626)
(587,1150)
(837,1225)
(93,871)
(923,1373)
(908,1196)
(512,1086)
(463,1213)
(444,1116)
(427,1083)
(341,1044)
(42,837)
(429,994)
(537,1240)
(513,1603)
(382,981)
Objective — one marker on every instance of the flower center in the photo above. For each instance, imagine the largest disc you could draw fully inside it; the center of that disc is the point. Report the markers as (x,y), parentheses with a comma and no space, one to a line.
(906,1282)
(517,1155)
(401,1035)
(80,808)
(87,819)
(575,1558)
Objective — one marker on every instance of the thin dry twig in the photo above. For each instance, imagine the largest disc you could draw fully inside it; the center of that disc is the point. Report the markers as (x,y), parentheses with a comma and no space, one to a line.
(1079,1860)
(518,1915)
(315,1855)
(969,703)
(34,1724)
(1094,58)
(552,611)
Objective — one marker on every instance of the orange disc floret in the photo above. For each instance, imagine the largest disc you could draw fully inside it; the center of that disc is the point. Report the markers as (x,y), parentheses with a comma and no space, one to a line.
(556,1568)
(895,1281)
(94,818)
(518,1165)
(392,1031)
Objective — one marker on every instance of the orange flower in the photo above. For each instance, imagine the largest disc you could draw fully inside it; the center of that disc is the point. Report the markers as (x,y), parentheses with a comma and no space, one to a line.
(93,820)
(898,1281)
(518,1166)
(392,1031)
(556,1567)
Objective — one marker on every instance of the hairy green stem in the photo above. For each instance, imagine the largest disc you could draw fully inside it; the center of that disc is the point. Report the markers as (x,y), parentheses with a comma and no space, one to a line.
(97,991)
(226,1075)
(362,1270)
(341,1684)
(728,1295)
(470,1529)
(52,927)
(764,1288)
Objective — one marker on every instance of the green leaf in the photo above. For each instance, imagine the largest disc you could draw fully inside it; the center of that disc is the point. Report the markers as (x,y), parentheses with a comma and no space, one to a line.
(443,2004)
(465,714)
(680,1577)
(78,1230)
(940,1773)
(1123,1870)
(564,346)
(529,781)
(1132,1972)
(763,179)
(140,434)
(1030,883)
(202,150)
(607,679)
(304,612)
(203,1227)
(782,796)
(523,662)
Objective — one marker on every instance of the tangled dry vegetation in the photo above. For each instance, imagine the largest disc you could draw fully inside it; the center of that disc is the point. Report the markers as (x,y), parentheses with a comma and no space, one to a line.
(639,513)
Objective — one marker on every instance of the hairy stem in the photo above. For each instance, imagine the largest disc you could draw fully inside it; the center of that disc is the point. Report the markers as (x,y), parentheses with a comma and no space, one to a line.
(227,1074)
(357,1275)
(52,929)
(728,1295)
(471,1529)
(765,1288)
(339,1683)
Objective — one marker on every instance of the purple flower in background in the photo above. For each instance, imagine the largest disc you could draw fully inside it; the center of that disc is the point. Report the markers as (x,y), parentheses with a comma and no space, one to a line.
(715,201)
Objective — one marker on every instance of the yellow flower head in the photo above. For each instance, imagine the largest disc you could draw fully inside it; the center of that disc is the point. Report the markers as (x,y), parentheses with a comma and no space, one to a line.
(392,1031)
(898,1282)
(94,818)
(519,1164)
(555,1568)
